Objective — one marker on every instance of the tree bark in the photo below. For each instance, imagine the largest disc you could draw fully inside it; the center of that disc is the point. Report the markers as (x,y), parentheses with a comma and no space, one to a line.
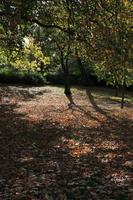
(67,84)
(83,72)
(122,97)
(42,68)
(65,69)
(116,91)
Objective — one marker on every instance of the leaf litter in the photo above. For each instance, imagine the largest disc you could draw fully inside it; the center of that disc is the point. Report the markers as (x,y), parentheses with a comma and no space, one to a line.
(51,151)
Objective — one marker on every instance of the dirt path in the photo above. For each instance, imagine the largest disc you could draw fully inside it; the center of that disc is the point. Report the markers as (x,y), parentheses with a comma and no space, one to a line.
(52,151)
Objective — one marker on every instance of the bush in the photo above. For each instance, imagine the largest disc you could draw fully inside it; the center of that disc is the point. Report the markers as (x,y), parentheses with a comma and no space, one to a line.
(75,78)
(10,75)
(55,78)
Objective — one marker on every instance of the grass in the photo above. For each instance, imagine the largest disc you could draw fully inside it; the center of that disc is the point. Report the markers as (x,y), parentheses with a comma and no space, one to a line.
(108,95)
(104,95)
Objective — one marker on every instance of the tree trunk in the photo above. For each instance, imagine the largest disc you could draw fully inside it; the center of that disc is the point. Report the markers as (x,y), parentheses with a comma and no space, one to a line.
(83,72)
(66,76)
(42,68)
(67,83)
(122,97)
(116,91)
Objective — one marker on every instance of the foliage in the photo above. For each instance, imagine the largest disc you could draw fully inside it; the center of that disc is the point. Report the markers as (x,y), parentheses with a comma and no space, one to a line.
(114,75)
(3,57)
(106,36)
(101,32)
(9,75)
(31,57)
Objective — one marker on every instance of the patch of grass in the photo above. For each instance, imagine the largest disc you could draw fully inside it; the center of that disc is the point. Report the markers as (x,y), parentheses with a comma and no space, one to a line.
(112,98)
(103,94)
(128,99)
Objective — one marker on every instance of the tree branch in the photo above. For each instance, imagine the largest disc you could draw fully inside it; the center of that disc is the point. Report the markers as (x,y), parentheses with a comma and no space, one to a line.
(48,25)
(36,21)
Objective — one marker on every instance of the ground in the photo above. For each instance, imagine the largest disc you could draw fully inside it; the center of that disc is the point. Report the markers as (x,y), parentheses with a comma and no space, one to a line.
(52,150)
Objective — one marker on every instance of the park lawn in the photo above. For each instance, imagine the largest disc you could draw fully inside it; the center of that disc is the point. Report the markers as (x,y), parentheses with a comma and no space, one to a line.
(50,149)
(106,95)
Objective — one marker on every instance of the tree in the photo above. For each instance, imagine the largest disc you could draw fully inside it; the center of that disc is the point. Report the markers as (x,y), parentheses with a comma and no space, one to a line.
(45,17)
(115,65)
(102,28)
(30,57)
(61,38)
(106,34)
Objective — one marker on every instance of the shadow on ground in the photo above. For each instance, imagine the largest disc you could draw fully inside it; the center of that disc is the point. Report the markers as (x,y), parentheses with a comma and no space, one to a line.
(41,160)
(24,93)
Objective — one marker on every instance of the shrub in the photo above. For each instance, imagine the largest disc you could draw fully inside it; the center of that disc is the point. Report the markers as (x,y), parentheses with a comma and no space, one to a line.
(10,75)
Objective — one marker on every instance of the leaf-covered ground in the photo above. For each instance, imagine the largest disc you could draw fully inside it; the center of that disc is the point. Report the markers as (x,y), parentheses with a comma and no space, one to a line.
(51,150)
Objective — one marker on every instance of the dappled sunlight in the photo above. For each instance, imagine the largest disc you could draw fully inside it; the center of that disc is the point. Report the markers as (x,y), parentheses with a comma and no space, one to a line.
(120,177)
(73,140)
(106,157)
(62,115)
(80,150)
(76,148)
(111,145)
(128,164)
(26,159)
(47,147)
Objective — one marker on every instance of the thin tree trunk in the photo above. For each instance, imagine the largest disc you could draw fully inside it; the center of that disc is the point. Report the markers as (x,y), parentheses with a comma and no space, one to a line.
(42,68)
(122,97)
(116,91)
(65,69)
(67,83)
(83,72)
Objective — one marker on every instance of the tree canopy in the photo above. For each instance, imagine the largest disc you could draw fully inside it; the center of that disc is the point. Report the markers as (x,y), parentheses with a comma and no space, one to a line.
(98,31)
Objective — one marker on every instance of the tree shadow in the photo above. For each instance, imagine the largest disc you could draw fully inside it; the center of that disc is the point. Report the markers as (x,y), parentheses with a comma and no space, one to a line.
(74,107)
(40,160)
(71,100)
(94,104)
(21,92)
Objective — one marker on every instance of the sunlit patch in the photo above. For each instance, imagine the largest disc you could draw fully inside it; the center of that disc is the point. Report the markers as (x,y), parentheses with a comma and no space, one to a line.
(76,148)
(106,144)
(26,159)
(107,157)
(120,177)
(82,150)
(128,164)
